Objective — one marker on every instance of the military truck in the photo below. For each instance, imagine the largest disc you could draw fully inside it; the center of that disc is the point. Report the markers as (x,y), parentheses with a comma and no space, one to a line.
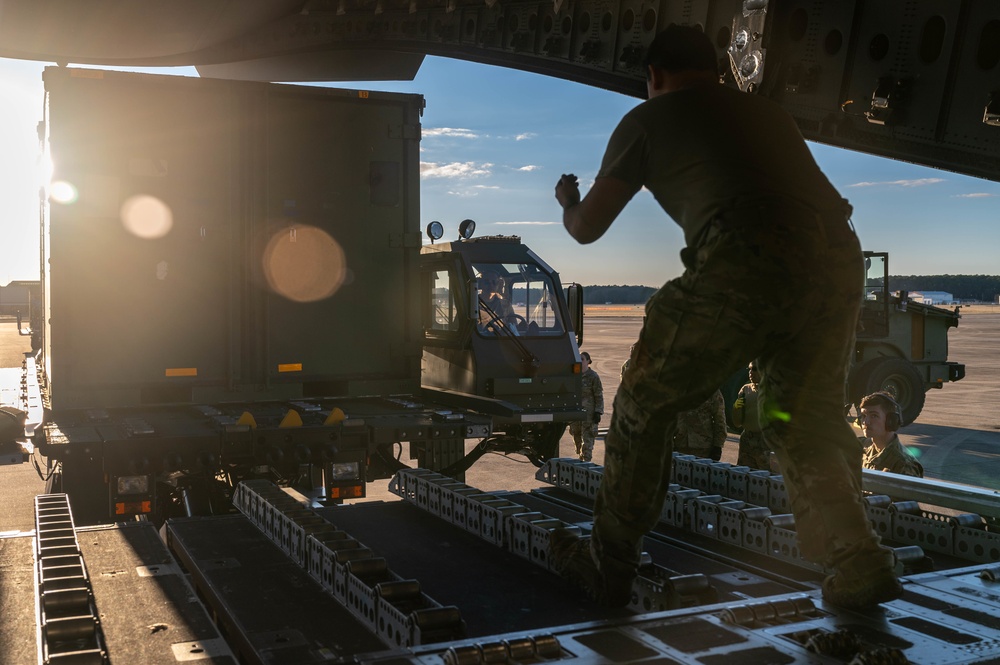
(901,346)
(235,288)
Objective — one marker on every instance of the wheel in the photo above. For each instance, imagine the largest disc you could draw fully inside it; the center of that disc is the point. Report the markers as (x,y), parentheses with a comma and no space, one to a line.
(899,377)
(546,443)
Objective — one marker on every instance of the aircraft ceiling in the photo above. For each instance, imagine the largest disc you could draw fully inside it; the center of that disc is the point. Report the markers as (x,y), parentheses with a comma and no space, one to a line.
(915,80)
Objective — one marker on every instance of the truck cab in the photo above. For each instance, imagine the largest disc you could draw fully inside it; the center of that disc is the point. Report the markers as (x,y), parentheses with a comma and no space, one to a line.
(501,338)
(902,345)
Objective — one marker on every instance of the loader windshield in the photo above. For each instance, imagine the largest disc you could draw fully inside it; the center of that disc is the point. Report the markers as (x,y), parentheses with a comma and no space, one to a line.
(518,299)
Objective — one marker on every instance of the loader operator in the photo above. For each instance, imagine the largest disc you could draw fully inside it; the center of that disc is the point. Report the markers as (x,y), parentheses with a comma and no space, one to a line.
(773,271)
(495,308)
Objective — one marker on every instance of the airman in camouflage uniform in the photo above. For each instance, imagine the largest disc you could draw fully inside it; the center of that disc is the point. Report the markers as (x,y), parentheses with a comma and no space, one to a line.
(773,271)
(592,401)
(880,418)
(754,452)
(894,458)
(702,430)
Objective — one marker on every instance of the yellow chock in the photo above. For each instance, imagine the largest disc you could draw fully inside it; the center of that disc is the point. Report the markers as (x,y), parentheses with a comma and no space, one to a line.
(336,416)
(291,419)
(247,420)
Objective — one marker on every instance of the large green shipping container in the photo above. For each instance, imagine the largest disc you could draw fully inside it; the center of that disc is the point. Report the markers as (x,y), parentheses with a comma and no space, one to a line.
(213,240)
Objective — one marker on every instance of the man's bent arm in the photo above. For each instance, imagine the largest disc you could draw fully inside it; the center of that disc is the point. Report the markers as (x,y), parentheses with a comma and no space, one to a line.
(587,220)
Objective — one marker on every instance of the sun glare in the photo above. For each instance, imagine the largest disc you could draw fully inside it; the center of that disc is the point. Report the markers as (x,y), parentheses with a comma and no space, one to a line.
(146,216)
(63,192)
(304,264)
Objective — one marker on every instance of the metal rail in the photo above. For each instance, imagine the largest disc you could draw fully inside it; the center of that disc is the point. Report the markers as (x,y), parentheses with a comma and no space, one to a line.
(984,502)
(69,627)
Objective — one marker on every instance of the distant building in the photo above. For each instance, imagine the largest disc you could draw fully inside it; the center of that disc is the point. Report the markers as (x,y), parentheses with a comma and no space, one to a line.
(932,297)
(19,296)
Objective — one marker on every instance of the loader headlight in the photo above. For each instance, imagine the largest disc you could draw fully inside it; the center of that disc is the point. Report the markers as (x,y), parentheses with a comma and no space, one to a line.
(133,485)
(344,471)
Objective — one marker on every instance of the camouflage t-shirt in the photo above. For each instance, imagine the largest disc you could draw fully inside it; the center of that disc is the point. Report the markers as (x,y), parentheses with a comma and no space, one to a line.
(704,149)
(702,427)
(894,458)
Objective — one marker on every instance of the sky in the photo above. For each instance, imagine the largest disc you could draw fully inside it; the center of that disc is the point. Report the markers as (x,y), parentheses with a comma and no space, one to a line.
(494,144)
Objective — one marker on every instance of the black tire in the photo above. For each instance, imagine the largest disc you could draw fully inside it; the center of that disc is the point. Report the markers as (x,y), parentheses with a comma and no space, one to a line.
(546,443)
(899,377)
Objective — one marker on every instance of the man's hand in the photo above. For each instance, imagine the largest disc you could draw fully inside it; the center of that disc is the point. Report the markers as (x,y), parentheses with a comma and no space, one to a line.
(738,404)
(568,190)
(586,220)
(597,418)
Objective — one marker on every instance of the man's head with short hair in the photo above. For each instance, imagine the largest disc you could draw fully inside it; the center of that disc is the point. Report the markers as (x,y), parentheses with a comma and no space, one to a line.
(888,409)
(681,48)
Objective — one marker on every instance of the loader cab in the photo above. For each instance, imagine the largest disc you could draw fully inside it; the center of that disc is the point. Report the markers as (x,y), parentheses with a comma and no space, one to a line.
(516,299)
(874,316)
(498,335)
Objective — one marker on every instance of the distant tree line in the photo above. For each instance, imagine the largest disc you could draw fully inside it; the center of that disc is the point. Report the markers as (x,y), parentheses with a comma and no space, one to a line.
(984,288)
(617,295)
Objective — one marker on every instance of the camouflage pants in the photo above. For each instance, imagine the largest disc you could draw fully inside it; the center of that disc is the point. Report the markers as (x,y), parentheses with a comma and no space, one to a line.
(754,452)
(777,283)
(584,434)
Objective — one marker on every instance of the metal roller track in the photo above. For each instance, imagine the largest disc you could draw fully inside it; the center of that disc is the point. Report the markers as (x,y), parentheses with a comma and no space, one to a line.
(942,618)
(750,508)
(69,627)
(393,608)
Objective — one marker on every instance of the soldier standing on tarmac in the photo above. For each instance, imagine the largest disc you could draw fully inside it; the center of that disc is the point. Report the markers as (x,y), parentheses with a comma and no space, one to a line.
(754,452)
(702,430)
(592,401)
(773,271)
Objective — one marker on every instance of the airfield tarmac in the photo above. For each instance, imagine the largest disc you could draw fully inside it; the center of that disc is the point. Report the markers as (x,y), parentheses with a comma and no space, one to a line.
(957,434)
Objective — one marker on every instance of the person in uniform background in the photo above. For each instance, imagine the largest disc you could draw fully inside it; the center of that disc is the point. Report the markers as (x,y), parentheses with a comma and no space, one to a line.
(880,418)
(702,430)
(627,362)
(592,401)
(772,270)
(754,452)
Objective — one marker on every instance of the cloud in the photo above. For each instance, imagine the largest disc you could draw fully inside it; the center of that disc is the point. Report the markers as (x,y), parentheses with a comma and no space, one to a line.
(525,136)
(471,191)
(529,167)
(919,182)
(974,195)
(527,223)
(454,169)
(452,132)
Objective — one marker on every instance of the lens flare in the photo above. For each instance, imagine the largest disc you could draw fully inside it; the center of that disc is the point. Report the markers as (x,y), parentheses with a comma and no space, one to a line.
(63,192)
(304,264)
(146,216)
